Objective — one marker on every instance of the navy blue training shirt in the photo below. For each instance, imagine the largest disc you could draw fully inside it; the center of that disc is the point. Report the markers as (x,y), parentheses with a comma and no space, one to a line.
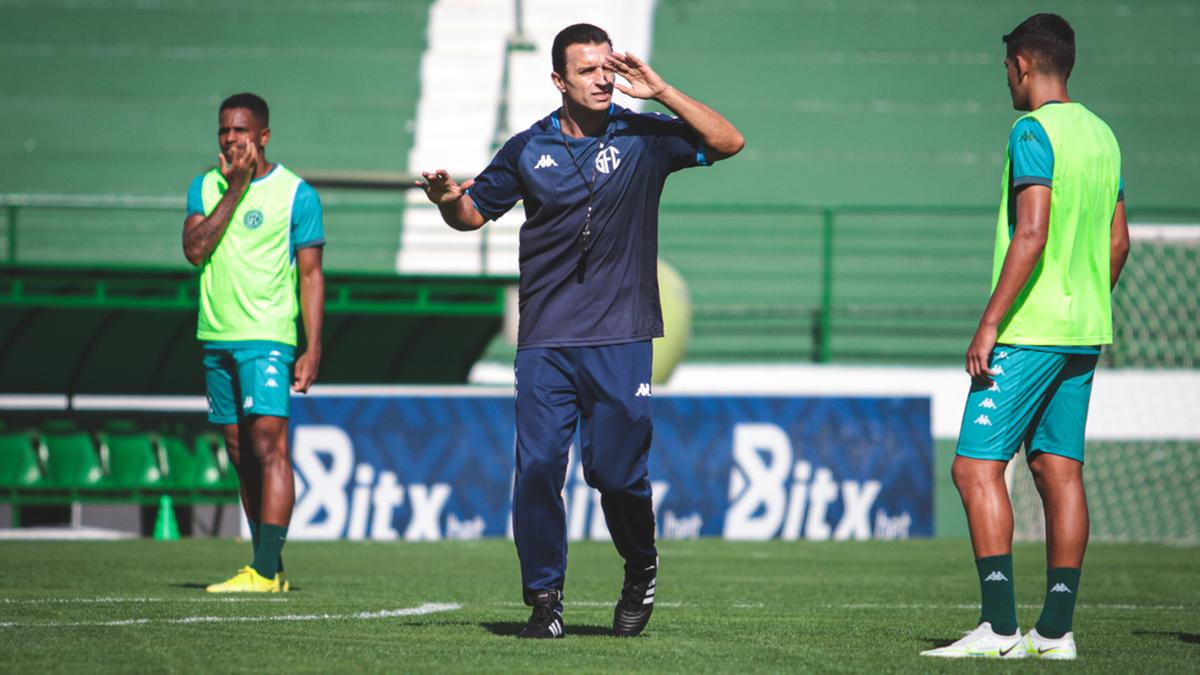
(613,298)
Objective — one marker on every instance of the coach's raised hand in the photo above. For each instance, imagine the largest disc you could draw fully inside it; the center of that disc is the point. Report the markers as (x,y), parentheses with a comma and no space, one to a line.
(643,81)
(452,200)
(721,139)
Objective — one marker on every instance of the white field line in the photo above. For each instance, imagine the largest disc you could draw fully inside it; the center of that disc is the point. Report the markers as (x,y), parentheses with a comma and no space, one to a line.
(427,608)
(1117,607)
(114,601)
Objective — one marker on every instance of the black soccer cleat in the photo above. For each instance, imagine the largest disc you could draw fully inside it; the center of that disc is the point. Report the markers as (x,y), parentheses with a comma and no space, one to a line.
(636,603)
(546,621)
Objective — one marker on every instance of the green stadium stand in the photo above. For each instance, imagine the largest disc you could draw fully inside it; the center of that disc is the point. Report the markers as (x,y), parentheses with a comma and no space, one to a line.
(849,105)
(119,98)
(844,106)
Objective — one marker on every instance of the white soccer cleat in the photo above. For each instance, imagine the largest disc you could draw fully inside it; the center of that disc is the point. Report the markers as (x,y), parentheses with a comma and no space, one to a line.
(982,642)
(1038,647)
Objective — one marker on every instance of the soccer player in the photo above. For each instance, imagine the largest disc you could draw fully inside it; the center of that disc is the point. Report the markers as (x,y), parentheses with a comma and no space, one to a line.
(1061,242)
(253,228)
(591,175)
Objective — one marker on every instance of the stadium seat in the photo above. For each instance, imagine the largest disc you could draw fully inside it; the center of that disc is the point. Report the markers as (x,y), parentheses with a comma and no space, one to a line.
(71,458)
(190,468)
(132,457)
(214,446)
(19,466)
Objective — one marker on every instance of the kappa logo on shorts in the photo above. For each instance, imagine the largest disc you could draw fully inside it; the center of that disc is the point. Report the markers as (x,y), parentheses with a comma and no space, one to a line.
(272,384)
(983,421)
(272,371)
(994,387)
(997,370)
(987,403)
(249,403)
(545,162)
(1001,355)
(643,390)
(253,219)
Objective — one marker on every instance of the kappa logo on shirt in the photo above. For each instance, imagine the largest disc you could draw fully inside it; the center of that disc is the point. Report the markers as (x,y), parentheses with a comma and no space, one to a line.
(545,162)
(607,159)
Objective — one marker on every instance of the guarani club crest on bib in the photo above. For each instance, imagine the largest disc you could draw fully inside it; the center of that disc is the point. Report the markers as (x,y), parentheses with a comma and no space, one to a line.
(253,219)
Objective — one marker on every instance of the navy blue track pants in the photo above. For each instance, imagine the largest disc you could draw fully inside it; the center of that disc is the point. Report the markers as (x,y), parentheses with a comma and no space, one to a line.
(606,390)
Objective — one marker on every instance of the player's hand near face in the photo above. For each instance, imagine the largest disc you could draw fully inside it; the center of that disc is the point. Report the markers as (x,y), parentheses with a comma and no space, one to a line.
(643,81)
(979,353)
(441,188)
(241,164)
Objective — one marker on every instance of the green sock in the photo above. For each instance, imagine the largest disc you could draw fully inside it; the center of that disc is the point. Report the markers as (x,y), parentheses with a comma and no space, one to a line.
(254,541)
(270,544)
(999,598)
(1062,585)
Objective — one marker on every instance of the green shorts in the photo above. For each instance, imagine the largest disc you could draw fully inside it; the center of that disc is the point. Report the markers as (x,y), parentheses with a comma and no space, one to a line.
(1036,397)
(248,378)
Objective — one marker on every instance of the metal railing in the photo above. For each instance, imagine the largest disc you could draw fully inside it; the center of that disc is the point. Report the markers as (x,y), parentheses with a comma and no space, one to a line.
(826,227)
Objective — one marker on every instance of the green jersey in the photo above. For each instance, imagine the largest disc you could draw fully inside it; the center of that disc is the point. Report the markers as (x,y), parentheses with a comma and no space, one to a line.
(248,284)
(1067,299)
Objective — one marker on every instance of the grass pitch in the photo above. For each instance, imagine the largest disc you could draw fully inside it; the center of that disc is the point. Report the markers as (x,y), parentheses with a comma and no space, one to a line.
(454,606)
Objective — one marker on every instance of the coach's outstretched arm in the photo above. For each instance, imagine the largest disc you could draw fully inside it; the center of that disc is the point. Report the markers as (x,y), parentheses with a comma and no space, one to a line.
(721,139)
(458,210)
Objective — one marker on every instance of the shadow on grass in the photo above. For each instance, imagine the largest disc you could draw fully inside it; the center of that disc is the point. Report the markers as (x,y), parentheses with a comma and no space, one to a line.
(937,643)
(511,628)
(1190,638)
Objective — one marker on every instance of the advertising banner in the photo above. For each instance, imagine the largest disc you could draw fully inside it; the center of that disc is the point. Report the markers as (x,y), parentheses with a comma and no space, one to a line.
(429,467)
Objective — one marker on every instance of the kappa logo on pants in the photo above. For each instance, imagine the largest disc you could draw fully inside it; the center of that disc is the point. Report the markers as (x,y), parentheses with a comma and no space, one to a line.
(643,390)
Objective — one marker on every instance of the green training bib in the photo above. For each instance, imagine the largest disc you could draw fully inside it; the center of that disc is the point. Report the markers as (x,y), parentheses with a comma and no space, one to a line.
(248,284)
(1067,300)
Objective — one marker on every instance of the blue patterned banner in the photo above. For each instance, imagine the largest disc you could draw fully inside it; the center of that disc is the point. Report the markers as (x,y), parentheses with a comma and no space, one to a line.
(427,467)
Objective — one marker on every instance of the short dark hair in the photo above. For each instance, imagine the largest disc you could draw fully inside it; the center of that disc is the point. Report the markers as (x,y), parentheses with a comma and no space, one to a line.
(576,34)
(252,102)
(1048,39)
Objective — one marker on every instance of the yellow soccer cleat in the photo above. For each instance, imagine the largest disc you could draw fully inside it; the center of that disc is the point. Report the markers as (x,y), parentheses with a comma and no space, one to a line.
(247,580)
(282,582)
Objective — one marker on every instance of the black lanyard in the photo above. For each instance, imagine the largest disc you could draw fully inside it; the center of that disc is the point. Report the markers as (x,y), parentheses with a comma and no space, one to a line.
(585,235)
